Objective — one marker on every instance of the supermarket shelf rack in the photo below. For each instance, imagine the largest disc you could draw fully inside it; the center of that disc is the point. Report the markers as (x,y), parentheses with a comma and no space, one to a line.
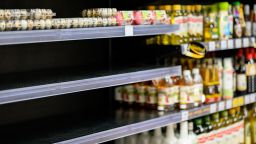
(38,36)
(225,44)
(163,121)
(47,90)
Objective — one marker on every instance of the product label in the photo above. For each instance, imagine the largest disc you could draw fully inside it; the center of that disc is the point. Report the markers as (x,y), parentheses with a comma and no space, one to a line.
(174,98)
(198,92)
(228,84)
(241,82)
(186,94)
(248,31)
(223,26)
(178,20)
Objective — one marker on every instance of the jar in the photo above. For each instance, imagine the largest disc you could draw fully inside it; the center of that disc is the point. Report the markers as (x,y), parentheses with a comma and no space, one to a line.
(24,14)
(80,22)
(1,14)
(7,15)
(38,14)
(16,14)
(56,23)
(30,24)
(2,25)
(24,24)
(63,23)
(74,23)
(8,25)
(68,23)
(37,24)
(42,24)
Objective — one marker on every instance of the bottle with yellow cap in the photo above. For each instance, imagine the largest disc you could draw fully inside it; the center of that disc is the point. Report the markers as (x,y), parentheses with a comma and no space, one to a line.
(184,24)
(191,23)
(199,23)
(165,39)
(177,18)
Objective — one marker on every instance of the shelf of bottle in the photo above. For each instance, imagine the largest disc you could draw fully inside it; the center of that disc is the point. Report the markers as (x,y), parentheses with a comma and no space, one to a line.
(226,44)
(53,89)
(38,36)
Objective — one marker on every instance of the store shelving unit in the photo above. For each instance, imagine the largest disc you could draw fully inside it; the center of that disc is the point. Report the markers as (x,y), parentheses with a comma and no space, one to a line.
(38,36)
(53,89)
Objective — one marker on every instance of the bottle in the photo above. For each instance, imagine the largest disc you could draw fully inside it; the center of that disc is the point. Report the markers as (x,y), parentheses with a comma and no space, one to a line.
(198,88)
(213,22)
(224,119)
(184,134)
(128,95)
(241,74)
(254,20)
(186,91)
(165,39)
(237,20)
(220,73)
(207,23)
(177,18)
(230,21)
(216,82)
(144,138)
(216,124)
(191,23)
(248,23)
(250,73)
(140,94)
(198,129)
(232,116)
(118,95)
(170,136)
(223,26)
(199,23)
(209,87)
(207,124)
(191,135)
(228,79)
(247,127)
(184,25)
(157,137)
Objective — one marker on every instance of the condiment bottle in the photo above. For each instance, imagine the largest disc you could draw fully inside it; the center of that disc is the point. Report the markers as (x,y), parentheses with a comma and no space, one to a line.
(228,79)
(248,24)
(223,25)
(177,18)
(198,88)
(237,20)
(186,91)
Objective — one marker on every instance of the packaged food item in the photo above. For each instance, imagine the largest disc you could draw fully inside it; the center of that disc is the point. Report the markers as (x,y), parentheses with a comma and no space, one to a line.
(2,25)
(24,24)
(199,20)
(248,23)
(223,25)
(7,15)
(228,79)
(151,101)
(2,14)
(144,17)
(140,95)
(95,22)
(124,18)
(99,12)
(30,24)
(237,20)
(48,24)
(230,21)
(37,14)
(105,22)
(50,14)
(17,25)
(176,18)
(44,14)
(184,24)
(63,23)
(9,25)
(254,21)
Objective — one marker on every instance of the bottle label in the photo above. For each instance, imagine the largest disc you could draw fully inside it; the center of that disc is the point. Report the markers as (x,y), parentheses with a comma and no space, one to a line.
(178,20)
(186,94)
(250,70)
(241,82)
(198,92)
(248,31)
(254,28)
(228,84)
(174,95)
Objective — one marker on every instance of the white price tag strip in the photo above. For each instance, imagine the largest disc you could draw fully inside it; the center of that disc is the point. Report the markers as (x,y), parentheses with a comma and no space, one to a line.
(128,30)
(223,45)
(184,115)
(246,42)
(213,108)
(252,42)
(247,99)
(228,104)
(231,44)
(211,46)
(221,106)
(238,43)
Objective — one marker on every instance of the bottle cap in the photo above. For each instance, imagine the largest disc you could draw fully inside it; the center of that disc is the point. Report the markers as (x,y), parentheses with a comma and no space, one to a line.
(248,56)
(188,7)
(195,71)
(236,3)
(247,9)
(214,8)
(168,7)
(224,6)
(176,7)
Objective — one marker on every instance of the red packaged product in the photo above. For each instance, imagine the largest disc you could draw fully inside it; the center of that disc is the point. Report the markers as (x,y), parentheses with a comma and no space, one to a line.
(144,17)
(124,18)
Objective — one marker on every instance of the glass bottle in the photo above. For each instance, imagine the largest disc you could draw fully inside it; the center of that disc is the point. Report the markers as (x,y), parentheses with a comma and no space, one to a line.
(224,119)
(216,124)
(198,88)
(237,20)
(198,128)
(248,24)
(199,23)
(207,124)
(177,18)
(186,91)
(241,74)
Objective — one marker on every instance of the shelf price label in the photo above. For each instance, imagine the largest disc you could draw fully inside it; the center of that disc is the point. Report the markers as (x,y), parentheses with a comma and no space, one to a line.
(213,108)
(247,99)
(184,115)
(221,106)
(211,46)
(223,45)
(238,43)
(246,42)
(128,29)
(228,104)
(231,44)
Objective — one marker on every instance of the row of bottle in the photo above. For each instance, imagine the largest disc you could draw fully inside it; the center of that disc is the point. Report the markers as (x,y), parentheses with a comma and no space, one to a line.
(219,21)
(164,94)
(237,125)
